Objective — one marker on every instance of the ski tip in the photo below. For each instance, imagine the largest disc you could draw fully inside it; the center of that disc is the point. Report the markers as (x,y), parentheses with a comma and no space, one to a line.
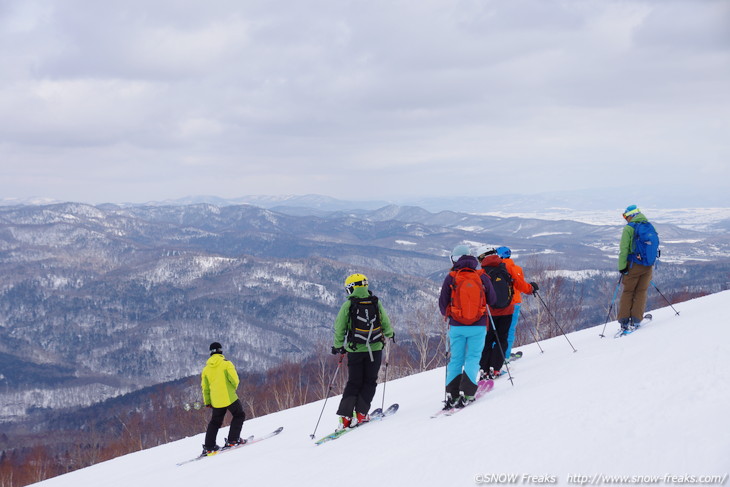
(279,430)
(391,409)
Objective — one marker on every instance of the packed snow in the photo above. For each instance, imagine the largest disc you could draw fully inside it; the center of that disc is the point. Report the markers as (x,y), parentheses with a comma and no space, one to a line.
(648,408)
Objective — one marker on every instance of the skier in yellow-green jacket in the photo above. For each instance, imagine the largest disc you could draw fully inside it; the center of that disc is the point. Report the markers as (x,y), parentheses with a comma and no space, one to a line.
(219,381)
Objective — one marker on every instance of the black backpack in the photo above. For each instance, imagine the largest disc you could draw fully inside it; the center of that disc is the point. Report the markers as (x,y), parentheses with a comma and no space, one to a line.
(502,284)
(364,321)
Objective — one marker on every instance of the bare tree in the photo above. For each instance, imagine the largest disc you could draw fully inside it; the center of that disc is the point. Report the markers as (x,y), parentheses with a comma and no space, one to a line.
(563,303)
(426,333)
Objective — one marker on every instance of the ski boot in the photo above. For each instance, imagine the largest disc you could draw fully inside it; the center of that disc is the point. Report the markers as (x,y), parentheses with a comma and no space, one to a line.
(493,374)
(626,324)
(362,418)
(463,400)
(450,403)
(345,422)
(209,451)
(230,443)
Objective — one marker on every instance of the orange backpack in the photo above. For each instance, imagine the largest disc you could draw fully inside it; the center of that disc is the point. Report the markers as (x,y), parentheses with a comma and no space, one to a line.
(468,301)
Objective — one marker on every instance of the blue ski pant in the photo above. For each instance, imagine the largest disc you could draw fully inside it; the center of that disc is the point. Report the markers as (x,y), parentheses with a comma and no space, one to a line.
(512,330)
(467,343)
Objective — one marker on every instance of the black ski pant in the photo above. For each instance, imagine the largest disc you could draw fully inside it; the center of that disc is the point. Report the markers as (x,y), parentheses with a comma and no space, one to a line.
(492,353)
(216,421)
(461,383)
(362,381)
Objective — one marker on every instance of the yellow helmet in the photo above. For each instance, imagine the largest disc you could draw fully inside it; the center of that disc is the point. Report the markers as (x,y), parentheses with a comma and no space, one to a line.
(355,280)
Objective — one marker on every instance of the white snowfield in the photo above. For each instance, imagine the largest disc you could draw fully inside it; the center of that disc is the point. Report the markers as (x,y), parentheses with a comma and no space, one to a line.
(647,409)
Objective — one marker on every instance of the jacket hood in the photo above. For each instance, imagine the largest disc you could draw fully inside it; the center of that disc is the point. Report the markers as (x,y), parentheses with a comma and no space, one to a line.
(639,217)
(465,261)
(215,360)
(491,261)
(360,292)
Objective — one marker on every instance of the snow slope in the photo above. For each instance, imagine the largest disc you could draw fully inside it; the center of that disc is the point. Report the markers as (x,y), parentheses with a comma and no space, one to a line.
(648,406)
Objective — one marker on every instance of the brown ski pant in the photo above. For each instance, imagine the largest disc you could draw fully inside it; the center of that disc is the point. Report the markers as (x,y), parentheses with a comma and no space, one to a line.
(633,297)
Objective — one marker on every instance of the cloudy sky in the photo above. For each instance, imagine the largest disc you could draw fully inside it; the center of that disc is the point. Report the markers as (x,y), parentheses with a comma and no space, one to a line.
(147,100)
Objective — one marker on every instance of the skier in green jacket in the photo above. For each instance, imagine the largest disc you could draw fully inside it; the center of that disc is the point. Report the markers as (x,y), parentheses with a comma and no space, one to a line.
(360,330)
(219,381)
(636,276)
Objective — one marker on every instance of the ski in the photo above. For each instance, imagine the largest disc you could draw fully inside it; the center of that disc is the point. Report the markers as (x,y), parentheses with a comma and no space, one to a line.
(644,321)
(249,441)
(514,356)
(483,387)
(375,416)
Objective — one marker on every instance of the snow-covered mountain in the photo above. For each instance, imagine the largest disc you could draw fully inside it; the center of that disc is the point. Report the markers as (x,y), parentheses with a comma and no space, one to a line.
(650,408)
(103,300)
(597,198)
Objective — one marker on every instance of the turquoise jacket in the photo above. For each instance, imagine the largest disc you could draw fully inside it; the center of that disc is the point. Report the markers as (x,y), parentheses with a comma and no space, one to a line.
(219,381)
(626,247)
(342,324)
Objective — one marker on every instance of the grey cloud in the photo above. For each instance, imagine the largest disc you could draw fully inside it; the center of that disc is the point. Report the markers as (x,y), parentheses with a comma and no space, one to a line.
(246,88)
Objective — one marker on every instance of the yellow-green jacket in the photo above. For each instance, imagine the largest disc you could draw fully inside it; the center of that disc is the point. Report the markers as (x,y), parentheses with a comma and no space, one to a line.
(219,381)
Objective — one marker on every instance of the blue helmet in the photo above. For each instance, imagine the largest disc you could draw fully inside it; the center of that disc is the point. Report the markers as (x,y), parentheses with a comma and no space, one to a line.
(631,211)
(504,252)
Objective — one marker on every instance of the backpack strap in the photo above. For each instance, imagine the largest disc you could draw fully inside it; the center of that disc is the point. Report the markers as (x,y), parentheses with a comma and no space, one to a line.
(355,320)
(630,258)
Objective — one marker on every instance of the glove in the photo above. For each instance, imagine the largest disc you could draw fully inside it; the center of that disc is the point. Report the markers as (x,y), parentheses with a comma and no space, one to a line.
(338,350)
(535,287)
(624,271)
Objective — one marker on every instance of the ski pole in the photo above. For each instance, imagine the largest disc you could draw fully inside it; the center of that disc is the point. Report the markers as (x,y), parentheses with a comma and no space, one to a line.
(665,298)
(385,379)
(329,389)
(501,350)
(556,321)
(447,355)
(613,301)
(534,336)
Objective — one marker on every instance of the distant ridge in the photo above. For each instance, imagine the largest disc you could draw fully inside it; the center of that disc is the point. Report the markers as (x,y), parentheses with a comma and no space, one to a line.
(648,196)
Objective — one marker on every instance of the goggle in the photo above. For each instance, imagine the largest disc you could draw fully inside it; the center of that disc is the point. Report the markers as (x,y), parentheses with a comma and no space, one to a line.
(488,252)
(351,285)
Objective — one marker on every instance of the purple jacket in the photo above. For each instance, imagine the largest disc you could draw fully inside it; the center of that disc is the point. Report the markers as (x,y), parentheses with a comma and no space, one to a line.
(445,296)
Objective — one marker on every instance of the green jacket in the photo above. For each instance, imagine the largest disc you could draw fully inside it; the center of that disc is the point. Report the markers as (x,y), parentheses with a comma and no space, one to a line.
(626,246)
(219,381)
(342,324)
